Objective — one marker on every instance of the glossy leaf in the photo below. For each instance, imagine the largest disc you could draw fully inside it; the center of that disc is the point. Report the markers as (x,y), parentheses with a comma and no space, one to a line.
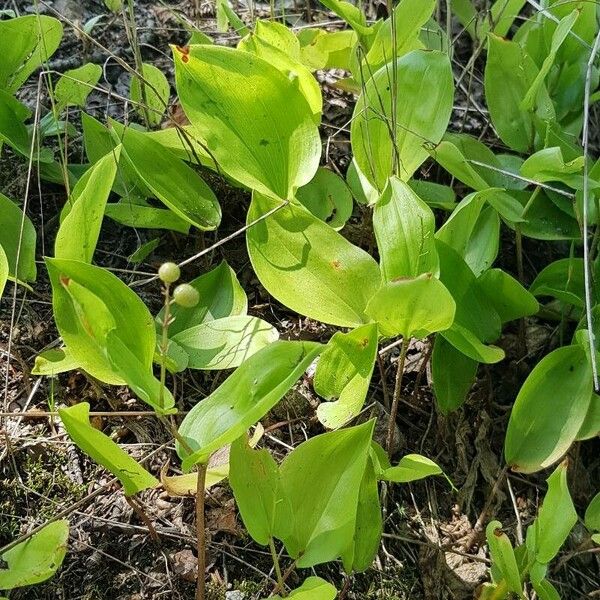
(503,557)
(17,243)
(464,340)
(592,514)
(155,95)
(412,307)
(321,478)
(74,86)
(52,362)
(173,182)
(293,252)
(244,398)
(563,280)
(89,302)
(79,230)
(37,558)
(404,228)
(453,374)
(104,451)
(424,96)
(145,217)
(344,371)
(250,116)
(549,410)
(221,295)
(225,343)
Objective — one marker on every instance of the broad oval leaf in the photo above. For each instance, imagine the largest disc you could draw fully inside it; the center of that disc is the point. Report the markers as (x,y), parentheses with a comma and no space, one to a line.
(321,479)
(225,343)
(313,588)
(100,448)
(244,398)
(344,371)
(412,307)
(155,94)
(74,86)
(221,295)
(172,181)
(404,228)
(250,116)
(16,244)
(424,96)
(549,410)
(88,302)
(79,230)
(37,558)
(308,266)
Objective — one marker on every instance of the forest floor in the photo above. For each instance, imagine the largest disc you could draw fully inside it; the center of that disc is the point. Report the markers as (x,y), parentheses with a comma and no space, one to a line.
(431,548)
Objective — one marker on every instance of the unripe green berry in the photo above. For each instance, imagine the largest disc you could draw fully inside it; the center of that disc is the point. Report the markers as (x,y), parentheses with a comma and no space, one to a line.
(169,272)
(185,295)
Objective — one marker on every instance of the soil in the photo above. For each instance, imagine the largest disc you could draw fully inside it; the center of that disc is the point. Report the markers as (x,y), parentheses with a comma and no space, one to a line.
(430,549)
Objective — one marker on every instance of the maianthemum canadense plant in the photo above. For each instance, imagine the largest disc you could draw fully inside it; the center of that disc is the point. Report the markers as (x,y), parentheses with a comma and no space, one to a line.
(254,113)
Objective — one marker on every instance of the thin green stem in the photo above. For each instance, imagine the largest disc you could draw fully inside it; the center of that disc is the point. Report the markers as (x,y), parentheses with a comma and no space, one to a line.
(275,558)
(164,344)
(201,532)
(396,398)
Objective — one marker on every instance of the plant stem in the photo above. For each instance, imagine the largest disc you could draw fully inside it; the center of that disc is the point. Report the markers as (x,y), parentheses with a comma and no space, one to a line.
(201,532)
(275,558)
(396,398)
(164,344)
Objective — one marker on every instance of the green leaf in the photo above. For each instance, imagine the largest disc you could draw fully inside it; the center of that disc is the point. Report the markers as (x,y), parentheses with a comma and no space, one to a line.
(510,299)
(52,362)
(313,588)
(558,37)
(549,410)
(509,74)
(18,239)
(555,519)
(412,307)
(327,197)
(254,479)
(453,374)
(592,514)
(321,479)
(251,117)
(25,43)
(173,182)
(549,165)
(563,279)
(409,16)
(424,95)
(89,302)
(37,558)
(464,340)
(404,228)
(137,375)
(503,557)
(225,343)
(411,467)
(155,96)
(145,217)
(351,14)
(473,230)
(221,295)
(244,398)
(369,523)
(79,230)
(545,590)
(590,427)
(309,267)
(74,86)
(327,49)
(100,448)
(3,270)
(288,64)
(344,371)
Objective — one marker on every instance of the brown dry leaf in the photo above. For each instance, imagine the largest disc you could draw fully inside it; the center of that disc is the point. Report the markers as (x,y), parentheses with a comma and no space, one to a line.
(185,564)
(223,518)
